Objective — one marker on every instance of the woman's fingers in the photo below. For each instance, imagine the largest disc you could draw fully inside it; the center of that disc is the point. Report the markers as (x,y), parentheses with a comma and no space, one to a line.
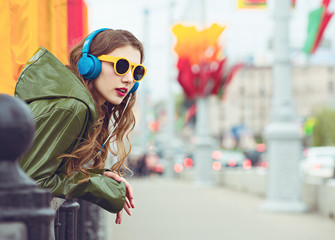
(127,209)
(118,219)
(129,194)
(128,203)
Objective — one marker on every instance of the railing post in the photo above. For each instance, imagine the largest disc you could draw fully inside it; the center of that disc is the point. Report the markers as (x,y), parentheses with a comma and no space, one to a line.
(22,202)
(88,221)
(66,221)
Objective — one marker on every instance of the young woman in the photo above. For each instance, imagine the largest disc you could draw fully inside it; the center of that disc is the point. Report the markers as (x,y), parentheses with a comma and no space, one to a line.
(78,111)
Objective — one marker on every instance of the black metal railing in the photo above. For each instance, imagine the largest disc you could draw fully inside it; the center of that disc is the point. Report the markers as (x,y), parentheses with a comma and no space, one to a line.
(66,221)
(88,221)
(23,205)
(25,211)
(77,220)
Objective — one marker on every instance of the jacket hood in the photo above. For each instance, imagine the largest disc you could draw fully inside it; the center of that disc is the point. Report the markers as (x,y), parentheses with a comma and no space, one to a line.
(45,77)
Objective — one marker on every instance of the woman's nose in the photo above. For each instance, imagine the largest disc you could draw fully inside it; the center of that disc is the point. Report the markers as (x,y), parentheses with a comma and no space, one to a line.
(128,78)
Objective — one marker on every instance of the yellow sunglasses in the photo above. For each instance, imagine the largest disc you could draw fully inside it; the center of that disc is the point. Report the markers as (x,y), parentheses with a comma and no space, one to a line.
(122,66)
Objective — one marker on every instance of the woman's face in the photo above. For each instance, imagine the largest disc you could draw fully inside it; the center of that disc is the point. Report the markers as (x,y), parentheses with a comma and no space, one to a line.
(112,87)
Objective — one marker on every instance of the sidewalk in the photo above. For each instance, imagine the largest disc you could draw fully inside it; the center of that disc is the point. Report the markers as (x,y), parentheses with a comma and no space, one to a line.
(174,209)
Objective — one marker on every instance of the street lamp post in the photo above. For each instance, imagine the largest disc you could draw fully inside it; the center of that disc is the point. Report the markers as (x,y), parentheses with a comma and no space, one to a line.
(204,142)
(203,145)
(170,107)
(282,134)
(143,90)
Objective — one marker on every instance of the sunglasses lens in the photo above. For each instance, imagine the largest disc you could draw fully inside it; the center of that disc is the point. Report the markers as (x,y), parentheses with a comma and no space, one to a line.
(138,73)
(122,66)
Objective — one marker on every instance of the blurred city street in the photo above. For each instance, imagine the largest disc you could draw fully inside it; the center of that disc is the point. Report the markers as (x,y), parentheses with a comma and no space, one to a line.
(238,92)
(175,209)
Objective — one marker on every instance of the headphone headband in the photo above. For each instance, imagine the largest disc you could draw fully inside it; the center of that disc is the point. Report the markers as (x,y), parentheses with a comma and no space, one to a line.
(87,43)
(89,66)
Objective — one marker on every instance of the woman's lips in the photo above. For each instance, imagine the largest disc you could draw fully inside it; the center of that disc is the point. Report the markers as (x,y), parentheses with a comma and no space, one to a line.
(121,91)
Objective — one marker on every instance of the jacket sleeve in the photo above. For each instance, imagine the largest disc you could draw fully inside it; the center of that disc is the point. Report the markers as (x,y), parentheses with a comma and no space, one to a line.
(57,132)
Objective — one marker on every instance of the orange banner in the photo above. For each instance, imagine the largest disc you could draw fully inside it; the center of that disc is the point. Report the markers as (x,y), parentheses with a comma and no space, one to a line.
(198,45)
(25,25)
(19,30)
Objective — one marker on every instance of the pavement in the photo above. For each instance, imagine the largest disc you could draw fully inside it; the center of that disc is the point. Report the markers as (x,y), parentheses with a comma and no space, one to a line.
(175,209)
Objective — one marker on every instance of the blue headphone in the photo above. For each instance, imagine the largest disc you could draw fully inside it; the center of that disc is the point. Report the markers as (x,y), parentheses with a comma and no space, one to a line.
(90,66)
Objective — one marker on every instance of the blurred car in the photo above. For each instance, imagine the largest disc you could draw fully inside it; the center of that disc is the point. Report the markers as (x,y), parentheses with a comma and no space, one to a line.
(319,162)
(256,157)
(229,159)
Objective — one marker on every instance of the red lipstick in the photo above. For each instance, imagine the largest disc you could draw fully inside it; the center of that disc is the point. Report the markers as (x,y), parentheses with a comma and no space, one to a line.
(121,91)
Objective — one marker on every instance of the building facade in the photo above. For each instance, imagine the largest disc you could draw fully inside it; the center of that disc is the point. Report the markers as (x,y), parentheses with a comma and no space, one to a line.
(247,99)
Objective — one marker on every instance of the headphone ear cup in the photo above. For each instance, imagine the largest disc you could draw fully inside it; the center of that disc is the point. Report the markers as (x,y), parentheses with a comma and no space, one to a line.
(134,88)
(89,66)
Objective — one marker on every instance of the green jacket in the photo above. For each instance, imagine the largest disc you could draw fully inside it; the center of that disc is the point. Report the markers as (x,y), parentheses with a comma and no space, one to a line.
(63,111)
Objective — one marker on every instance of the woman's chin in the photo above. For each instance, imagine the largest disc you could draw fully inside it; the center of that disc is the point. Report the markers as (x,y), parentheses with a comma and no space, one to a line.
(115,101)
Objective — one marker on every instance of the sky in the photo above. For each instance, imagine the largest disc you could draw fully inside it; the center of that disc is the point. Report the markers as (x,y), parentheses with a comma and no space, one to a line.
(247,34)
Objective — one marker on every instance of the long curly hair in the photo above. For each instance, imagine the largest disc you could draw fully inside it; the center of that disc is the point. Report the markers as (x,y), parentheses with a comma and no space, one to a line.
(90,153)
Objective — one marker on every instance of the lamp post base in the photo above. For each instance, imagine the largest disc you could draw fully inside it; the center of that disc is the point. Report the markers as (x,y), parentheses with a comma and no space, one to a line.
(283,206)
(203,184)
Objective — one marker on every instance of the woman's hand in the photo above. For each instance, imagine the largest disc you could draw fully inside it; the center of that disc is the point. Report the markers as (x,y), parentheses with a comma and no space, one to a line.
(129,202)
